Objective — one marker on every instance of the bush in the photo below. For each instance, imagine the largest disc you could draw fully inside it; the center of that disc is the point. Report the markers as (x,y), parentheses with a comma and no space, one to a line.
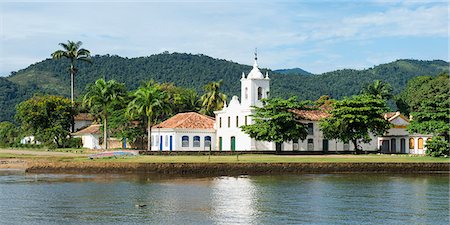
(73,143)
(437,147)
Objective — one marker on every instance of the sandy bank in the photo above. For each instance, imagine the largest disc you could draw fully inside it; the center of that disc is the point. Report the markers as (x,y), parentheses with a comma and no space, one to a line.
(234,168)
(13,164)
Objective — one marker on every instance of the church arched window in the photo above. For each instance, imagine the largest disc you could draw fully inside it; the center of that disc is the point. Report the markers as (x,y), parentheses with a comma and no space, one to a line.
(259,93)
(246,92)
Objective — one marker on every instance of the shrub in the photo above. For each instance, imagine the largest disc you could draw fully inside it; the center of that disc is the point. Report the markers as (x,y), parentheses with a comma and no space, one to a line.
(73,143)
(437,147)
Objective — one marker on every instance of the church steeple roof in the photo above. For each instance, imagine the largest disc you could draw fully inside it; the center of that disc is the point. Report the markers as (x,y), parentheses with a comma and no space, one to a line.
(255,73)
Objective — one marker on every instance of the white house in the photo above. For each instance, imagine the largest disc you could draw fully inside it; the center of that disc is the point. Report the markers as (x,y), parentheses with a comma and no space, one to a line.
(189,131)
(89,136)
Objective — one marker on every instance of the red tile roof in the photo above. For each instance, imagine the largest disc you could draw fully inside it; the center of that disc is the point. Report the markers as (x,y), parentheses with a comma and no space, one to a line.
(92,129)
(190,120)
(313,115)
(83,116)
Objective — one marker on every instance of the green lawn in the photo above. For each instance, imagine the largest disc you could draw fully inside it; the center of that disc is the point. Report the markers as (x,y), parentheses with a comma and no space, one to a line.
(243,158)
(270,159)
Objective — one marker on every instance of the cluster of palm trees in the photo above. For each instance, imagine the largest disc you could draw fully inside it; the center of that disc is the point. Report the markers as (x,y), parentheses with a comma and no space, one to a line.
(151,100)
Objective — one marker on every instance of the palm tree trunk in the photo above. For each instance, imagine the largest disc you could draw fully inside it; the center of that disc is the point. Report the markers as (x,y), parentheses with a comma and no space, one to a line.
(72,75)
(149,135)
(105,132)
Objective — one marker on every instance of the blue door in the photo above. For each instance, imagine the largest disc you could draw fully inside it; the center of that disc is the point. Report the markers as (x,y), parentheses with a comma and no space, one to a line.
(170,143)
(160,142)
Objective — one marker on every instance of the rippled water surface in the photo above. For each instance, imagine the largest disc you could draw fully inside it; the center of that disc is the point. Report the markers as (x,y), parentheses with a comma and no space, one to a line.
(290,199)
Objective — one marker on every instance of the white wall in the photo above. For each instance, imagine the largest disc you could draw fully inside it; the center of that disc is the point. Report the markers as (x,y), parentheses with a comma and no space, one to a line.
(177,135)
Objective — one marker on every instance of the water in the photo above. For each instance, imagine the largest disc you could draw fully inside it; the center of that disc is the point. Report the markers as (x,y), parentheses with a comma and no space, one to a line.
(290,199)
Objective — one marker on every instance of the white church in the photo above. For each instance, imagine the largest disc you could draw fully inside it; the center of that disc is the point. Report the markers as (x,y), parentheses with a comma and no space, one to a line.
(195,132)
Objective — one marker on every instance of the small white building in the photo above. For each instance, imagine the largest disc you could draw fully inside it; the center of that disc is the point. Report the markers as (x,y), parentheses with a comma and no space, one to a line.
(89,136)
(189,131)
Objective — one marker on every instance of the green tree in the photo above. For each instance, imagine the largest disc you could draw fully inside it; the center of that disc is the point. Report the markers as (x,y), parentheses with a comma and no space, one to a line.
(213,99)
(413,94)
(277,122)
(99,98)
(438,146)
(47,117)
(432,116)
(8,133)
(352,119)
(149,101)
(73,52)
(378,89)
(180,99)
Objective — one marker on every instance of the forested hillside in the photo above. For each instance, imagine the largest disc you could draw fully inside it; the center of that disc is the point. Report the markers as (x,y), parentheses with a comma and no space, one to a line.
(294,71)
(187,70)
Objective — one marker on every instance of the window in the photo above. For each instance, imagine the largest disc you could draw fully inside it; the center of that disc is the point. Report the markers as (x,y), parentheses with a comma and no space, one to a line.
(157,140)
(411,143)
(267,94)
(259,93)
(220,122)
(153,140)
(245,120)
(237,121)
(196,141)
(346,146)
(310,144)
(310,129)
(208,141)
(185,141)
(420,143)
(229,122)
(295,145)
(246,93)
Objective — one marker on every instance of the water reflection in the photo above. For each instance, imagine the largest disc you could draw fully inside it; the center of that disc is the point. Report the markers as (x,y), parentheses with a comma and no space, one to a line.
(293,199)
(233,200)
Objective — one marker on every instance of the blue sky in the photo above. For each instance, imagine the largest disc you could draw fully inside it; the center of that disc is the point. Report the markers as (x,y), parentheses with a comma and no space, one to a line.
(318,36)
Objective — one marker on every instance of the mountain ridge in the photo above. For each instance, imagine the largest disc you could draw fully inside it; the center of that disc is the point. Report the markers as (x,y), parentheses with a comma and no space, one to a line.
(194,71)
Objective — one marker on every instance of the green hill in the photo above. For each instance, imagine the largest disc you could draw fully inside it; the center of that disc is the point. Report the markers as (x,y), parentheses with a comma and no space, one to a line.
(187,70)
(293,71)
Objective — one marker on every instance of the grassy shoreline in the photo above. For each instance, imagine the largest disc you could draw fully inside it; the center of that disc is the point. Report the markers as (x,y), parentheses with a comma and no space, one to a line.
(44,161)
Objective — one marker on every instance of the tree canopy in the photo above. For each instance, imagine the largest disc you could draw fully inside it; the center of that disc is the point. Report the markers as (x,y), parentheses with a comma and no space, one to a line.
(213,99)
(276,121)
(47,117)
(73,52)
(150,101)
(353,119)
(432,115)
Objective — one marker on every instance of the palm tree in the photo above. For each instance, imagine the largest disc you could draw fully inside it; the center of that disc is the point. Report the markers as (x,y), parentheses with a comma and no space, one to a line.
(379,89)
(213,99)
(99,97)
(73,52)
(148,100)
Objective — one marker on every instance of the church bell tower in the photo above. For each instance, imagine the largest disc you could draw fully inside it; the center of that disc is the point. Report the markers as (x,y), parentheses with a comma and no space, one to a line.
(255,86)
